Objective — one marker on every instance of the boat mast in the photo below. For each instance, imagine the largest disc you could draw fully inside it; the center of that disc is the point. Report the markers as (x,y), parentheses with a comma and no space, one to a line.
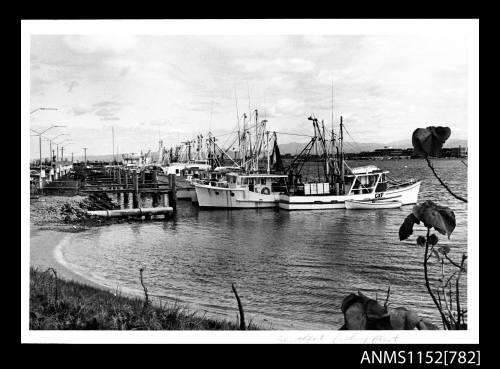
(342,155)
(243,146)
(256,162)
(267,148)
(325,150)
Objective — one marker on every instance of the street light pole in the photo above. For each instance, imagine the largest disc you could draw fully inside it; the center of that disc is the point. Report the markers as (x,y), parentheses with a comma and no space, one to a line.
(33,111)
(50,145)
(85,155)
(40,144)
(62,150)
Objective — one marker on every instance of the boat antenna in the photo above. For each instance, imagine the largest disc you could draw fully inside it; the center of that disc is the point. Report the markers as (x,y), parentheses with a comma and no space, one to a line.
(113,134)
(249,109)
(237,116)
(211,112)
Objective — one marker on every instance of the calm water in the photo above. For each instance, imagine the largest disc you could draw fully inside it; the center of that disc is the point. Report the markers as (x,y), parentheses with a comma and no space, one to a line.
(292,269)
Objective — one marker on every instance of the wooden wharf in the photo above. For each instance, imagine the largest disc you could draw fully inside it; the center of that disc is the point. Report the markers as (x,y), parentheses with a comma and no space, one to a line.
(132,182)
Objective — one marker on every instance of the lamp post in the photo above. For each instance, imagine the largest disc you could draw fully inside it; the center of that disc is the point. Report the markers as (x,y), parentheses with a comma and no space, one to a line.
(50,145)
(58,162)
(62,149)
(59,144)
(41,108)
(85,156)
(39,134)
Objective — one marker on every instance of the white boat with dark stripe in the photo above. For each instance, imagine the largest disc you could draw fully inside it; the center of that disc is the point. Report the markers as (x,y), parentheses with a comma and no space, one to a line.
(342,183)
(368,186)
(240,191)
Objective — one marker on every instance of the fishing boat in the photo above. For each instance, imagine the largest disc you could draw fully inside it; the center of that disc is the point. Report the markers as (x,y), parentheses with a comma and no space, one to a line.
(371,204)
(339,182)
(187,161)
(249,187)
(257,190)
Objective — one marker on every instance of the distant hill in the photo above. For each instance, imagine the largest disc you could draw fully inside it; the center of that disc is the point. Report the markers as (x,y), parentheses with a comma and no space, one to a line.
(403,144)
(295,147)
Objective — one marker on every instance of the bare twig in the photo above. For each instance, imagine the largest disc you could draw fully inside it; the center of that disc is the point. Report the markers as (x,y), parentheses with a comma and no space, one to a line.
(387,297)
(427,283)
(446,304)
(146,302)
(240,308)
(455,264)
(441,181)
(457,289)
(56,293)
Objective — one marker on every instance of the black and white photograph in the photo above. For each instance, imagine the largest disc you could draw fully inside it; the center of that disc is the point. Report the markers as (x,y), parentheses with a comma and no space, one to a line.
(281,181)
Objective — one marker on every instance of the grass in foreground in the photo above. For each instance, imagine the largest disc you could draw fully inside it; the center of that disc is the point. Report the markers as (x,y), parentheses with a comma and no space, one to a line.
(62,304)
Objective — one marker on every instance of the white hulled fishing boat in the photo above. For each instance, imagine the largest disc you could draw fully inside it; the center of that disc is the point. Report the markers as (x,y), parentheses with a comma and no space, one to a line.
(257,190)
(250,188)
(341,183)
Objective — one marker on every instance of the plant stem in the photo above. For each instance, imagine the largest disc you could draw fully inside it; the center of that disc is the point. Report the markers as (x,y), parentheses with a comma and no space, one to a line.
(441,181)
(428,285)
(240,308)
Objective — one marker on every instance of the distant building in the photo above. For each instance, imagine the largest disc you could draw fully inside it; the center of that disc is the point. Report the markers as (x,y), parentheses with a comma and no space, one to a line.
(453,152)
(132,158)
(388,151)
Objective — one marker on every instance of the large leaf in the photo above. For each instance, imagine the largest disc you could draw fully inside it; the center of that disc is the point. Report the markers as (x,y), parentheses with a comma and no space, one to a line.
(428,141)
(406,228)
(440,217)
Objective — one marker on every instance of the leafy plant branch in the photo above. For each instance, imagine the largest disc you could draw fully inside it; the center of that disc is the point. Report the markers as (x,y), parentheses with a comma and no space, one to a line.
(429,163)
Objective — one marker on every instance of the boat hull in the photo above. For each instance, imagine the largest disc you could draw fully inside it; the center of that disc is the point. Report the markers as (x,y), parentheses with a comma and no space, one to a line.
(218,197)
(369,205)
(406,195)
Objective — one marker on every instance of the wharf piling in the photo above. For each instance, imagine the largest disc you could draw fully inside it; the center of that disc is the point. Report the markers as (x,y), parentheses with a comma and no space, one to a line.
(135,195)
(172,196)
(138,183)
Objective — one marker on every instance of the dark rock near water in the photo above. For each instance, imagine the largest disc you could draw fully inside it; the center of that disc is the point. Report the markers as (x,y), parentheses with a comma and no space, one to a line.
(363,313)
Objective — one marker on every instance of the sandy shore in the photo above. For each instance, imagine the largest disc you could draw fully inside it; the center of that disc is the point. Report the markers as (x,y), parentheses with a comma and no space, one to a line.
(43,244)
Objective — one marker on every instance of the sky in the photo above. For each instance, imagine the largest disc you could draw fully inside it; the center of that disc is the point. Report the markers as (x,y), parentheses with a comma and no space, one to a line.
(174,86)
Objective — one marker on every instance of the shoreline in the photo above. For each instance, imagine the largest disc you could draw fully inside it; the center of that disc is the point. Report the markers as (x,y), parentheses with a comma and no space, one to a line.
(43,245)
(80,292)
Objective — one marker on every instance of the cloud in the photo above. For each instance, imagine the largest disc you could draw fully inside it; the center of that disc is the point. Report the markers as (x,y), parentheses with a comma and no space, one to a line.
(280,65)
(105,110)
(71,86)
(383,85)
(90,44)
(80,110)
(287,107)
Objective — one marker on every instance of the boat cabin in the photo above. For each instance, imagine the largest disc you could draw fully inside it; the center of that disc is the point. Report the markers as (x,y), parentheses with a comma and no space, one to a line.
(259,183)
(366,179)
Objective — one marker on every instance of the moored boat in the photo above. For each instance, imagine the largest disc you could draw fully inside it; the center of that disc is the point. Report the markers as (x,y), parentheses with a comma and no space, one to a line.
(340,182)
(371,204)
(242,191)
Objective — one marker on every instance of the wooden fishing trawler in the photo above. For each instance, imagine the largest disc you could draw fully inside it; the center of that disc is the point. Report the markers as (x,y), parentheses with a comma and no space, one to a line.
(339,182)
(248,187)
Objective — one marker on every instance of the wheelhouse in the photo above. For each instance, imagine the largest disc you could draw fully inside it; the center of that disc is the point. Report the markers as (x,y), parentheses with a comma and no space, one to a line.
(364,180)
(260,183)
